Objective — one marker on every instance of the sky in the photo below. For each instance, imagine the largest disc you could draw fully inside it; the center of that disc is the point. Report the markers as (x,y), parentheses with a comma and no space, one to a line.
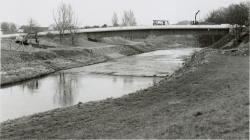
(99,12)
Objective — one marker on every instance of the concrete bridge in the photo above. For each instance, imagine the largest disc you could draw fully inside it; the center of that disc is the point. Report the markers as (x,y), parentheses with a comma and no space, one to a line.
(134,32)
(144,31)
(209,33)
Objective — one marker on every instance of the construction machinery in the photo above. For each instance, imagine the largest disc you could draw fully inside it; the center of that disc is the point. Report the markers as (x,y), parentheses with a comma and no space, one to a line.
(195,22)
(27,39)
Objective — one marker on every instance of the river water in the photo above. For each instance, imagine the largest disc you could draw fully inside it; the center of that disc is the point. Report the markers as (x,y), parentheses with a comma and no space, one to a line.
(92,83)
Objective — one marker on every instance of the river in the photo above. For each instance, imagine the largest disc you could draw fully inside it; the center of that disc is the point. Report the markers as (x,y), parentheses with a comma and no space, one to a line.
(91,83)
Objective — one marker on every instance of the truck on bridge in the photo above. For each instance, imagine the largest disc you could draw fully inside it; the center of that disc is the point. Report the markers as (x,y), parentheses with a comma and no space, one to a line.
(160,22)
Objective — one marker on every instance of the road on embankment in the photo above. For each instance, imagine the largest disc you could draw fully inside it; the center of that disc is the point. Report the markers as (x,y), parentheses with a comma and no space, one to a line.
(207,98)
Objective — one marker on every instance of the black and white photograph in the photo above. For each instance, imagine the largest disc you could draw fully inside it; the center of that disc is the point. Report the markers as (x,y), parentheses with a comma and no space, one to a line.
(124,69)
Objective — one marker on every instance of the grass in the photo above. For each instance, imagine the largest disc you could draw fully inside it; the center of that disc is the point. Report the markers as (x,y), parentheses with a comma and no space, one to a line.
(207,98)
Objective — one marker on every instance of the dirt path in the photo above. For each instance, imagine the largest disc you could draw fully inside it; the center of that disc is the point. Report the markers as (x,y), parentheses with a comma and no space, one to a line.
(208,98)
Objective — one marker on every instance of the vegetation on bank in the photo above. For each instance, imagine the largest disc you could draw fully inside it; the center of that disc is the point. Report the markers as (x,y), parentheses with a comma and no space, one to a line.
(233,14)
(198,101)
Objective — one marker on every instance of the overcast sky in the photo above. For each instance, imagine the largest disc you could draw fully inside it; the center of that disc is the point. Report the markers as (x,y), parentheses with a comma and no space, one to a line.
(99,12)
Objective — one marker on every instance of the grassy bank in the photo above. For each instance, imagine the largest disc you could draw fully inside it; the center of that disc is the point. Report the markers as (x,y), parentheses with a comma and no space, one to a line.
(19,64)
(207,98)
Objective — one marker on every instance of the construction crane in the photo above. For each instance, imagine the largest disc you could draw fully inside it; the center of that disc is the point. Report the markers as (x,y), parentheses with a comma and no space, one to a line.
(195,22)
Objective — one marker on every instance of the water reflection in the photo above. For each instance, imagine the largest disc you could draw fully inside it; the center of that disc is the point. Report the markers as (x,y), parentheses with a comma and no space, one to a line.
(127,80)
(70,87)
(31,86)
(66,90)
(155,81)
(114,79)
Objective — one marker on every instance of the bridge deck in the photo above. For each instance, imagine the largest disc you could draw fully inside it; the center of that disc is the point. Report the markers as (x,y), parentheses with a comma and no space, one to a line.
(128,28)
(157,27)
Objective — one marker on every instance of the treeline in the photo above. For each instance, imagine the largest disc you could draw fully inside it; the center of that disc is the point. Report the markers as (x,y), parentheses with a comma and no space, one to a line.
(128,19)
(31,27)
(233,14)
(8,28)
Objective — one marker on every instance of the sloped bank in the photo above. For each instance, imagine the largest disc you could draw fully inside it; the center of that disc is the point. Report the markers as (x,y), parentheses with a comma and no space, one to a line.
(17,66)
(207,98)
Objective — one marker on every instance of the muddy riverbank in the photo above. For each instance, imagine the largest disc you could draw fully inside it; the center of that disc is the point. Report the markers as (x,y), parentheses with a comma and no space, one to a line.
(207,98)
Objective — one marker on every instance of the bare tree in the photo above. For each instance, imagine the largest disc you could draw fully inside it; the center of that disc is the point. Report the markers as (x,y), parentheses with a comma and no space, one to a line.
(5,27)
(65,20)
(8,27)
(115,20)
(72,24)
(12,27)
(128,18)
(60,19)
